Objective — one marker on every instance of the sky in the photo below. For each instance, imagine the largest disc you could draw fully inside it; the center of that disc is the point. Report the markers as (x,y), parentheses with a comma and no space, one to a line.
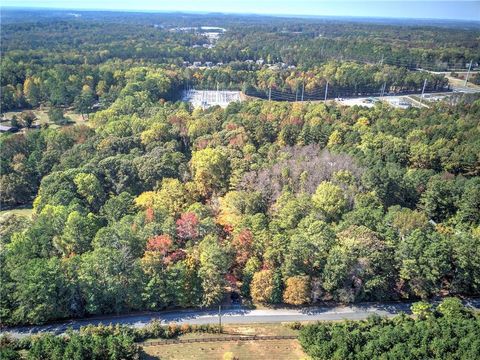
(430,9)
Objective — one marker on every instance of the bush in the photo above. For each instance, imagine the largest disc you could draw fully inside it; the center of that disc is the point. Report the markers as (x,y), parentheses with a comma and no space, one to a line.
(8,347)
(156,330)
(8,353)
(295,325)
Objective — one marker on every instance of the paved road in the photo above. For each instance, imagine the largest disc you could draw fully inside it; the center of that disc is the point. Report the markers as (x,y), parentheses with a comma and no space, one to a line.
(233,316)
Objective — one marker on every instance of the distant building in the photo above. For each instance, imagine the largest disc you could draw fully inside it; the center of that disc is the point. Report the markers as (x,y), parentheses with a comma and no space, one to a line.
(9,129)
(197,63)
(260,62)
(208,64)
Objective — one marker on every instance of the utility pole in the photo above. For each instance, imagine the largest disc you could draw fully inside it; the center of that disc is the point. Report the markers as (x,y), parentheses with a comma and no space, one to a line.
(381,61)
(326,91)
(217,93)
(424,85)
(296,95)
(303,88)
(383,88)
(468,72)
(220,317)
(270,93)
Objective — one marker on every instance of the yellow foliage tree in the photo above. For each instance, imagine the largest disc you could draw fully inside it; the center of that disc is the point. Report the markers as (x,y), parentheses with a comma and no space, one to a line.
(262,286)
(297,290)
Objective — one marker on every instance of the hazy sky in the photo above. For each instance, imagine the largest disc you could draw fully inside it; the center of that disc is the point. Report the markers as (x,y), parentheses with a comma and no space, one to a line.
(464,10)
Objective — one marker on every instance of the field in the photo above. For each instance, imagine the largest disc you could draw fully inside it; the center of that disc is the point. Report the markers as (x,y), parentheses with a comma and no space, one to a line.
(252,349)
(25,210)
(453,81)
(42,116)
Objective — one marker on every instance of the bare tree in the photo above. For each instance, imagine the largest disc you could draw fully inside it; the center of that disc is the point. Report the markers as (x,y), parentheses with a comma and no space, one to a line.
(301,168)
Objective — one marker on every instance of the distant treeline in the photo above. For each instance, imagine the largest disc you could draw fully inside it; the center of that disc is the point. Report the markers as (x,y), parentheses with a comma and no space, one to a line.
(60,60)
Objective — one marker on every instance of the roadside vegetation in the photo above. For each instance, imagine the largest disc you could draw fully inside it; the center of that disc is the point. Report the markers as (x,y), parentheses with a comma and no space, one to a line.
(93,342)
(448,331)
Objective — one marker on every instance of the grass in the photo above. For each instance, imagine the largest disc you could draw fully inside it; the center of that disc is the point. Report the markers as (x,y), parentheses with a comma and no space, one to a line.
(260,349)
(24,210)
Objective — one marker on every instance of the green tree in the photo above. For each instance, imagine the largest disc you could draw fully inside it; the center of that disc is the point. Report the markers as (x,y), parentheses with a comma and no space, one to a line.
(210,170)
(56,116)
(308,248)
(117,207)
(110,281)
(27,118)
(31,90)
(466,278)
(39,295)
(90,188)
(438,200)
(330,200)
(359,266)
(215,260)
(469,203)
(425,262)
(84,102)
(78,233)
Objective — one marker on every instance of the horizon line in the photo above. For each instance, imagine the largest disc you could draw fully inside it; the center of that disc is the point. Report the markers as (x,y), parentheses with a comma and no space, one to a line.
(198,12)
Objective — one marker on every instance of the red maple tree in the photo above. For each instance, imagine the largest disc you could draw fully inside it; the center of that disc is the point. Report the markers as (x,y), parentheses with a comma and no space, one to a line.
(187,226)
(159,243)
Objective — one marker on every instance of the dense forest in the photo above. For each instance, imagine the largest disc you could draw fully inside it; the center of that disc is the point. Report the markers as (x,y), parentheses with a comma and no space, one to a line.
(159,206)
(151,204)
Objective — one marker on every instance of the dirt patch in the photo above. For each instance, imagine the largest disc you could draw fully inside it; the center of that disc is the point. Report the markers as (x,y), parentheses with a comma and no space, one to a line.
(264,349)
(242,349)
